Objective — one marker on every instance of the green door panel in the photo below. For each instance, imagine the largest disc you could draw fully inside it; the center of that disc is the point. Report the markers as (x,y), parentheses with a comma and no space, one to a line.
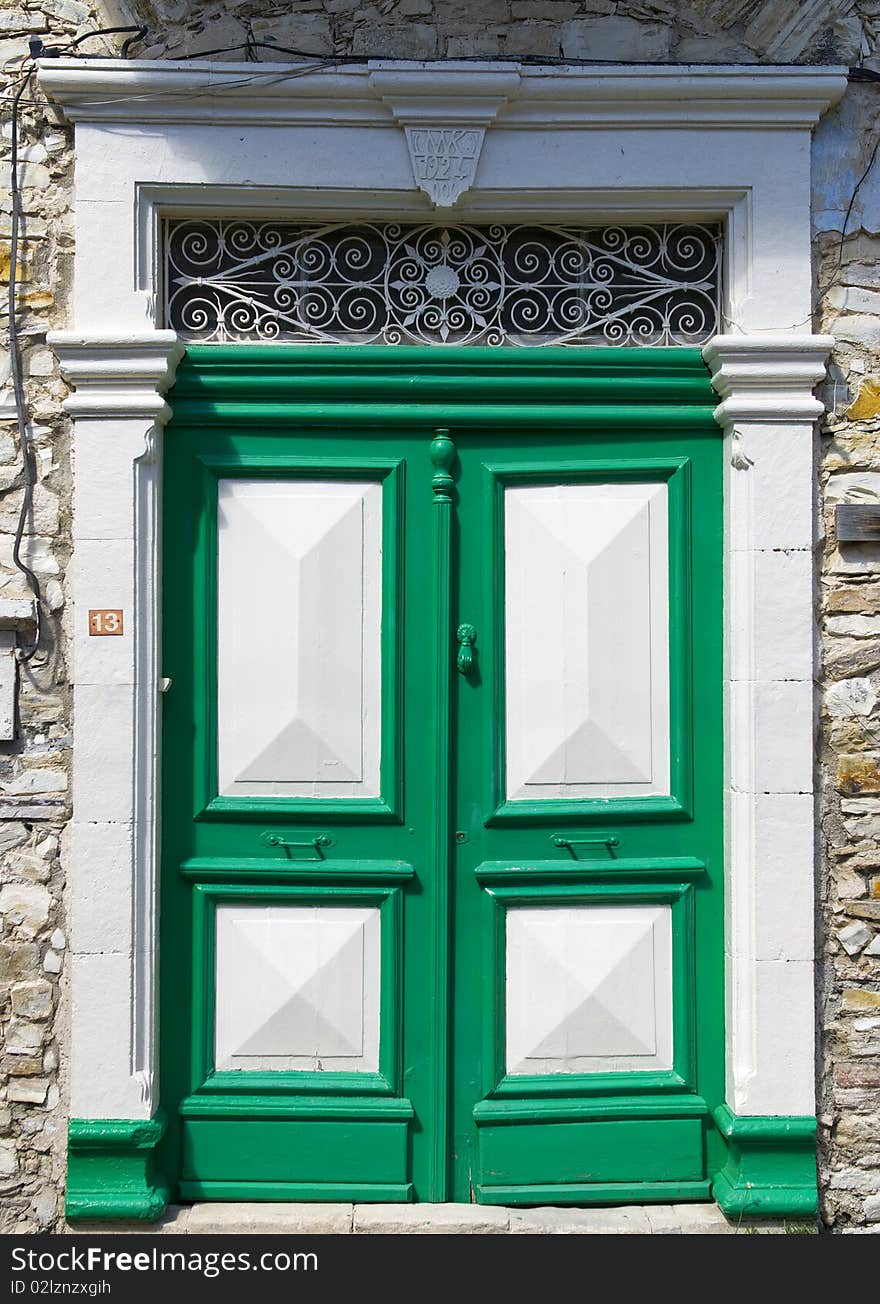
(442,853)
(581,1154)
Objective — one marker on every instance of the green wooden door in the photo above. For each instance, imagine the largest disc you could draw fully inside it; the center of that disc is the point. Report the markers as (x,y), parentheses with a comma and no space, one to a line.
(441,898)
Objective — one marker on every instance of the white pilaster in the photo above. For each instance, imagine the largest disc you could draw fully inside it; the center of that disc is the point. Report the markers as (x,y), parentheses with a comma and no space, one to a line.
(119,412)
(768,413)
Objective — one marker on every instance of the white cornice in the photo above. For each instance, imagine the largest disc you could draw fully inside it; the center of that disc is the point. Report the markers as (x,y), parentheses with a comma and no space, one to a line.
(118,375)
(515,95)
(767,377)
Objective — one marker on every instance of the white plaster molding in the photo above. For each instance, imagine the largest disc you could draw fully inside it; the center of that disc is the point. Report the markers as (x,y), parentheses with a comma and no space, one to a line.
(767,377)
(727,144)
(695,95)
(118,410)
(118,376)
(443,93)
(768,412)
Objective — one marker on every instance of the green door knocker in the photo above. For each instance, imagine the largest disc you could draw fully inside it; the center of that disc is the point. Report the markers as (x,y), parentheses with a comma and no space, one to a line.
(466,636)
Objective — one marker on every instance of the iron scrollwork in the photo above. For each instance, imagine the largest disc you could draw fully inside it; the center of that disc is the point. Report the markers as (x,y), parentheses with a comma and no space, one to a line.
(233,279)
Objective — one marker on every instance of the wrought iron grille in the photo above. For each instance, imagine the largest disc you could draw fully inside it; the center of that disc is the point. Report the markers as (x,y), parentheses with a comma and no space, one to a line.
(230,279)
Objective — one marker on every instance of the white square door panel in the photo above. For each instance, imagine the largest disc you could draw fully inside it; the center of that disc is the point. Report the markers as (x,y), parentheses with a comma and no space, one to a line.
(586,641)
(589,989)
(299,618)
(297,988)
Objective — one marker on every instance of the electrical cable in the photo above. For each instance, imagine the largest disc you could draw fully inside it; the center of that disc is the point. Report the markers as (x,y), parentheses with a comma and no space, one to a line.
(27,456)
(39,50)
(853,197)
(15,359)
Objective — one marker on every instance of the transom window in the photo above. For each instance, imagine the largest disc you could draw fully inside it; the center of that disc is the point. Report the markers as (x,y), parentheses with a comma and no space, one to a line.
(234,279)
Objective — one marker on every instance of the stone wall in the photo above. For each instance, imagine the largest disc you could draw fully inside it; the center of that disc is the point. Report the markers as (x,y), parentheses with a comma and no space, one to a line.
(34,770)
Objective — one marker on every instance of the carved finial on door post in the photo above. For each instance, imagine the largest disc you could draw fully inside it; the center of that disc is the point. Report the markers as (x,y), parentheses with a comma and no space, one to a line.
(443,460)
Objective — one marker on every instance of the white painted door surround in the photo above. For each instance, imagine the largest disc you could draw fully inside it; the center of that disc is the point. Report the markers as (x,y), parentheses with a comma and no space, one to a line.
(544,144)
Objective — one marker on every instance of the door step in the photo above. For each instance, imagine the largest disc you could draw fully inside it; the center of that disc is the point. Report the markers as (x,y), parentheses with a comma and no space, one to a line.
(214,1219)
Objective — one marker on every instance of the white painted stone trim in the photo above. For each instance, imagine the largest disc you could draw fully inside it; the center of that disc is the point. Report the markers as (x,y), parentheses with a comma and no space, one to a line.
(768,413)
(729,144)
(379,91)
(119,411)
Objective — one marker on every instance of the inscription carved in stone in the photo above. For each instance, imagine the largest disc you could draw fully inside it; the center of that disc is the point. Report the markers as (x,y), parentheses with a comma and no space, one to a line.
(444,160)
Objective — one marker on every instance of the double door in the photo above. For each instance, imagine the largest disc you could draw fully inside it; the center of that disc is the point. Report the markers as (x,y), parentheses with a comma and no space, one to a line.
(441,903)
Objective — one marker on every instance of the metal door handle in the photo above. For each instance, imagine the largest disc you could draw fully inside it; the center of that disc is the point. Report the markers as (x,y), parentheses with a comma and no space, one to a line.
(609,843)
(467,637)
(316,844)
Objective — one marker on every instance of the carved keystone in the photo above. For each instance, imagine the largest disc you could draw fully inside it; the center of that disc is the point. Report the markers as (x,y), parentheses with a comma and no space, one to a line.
(444,160)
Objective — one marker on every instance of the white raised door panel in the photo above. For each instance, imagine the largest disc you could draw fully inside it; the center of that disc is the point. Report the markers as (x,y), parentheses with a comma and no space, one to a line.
(297,988)
(299,638)
(589,989)
(586,641)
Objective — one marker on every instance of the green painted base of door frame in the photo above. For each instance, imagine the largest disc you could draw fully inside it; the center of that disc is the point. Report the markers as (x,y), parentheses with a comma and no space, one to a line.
(111,1169)
(771,1166)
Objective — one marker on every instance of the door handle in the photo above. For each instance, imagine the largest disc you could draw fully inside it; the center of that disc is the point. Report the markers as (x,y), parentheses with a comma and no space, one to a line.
(572,844)
(467,637)
(316,844)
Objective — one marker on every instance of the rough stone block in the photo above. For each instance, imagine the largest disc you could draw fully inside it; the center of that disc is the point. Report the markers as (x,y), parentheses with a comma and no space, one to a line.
(392,41)
(8,1159)
(864,910)
(22,1066)
(857,1000)
(67,11)
(850,697)
(486,45)
(17,20)
(711,49)
(854,626)
(26,903)
(857,328)
(532,38)
(615,38)
(854,937)
(853,597)
(866,406)
(555,10)
(17,960)
(850,298)
(859,772)
(28,1091)
(23,1037)
(310,33)
(42,518)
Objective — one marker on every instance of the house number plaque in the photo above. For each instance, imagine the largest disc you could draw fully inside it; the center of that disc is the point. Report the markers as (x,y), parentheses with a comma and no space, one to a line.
(104,622)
